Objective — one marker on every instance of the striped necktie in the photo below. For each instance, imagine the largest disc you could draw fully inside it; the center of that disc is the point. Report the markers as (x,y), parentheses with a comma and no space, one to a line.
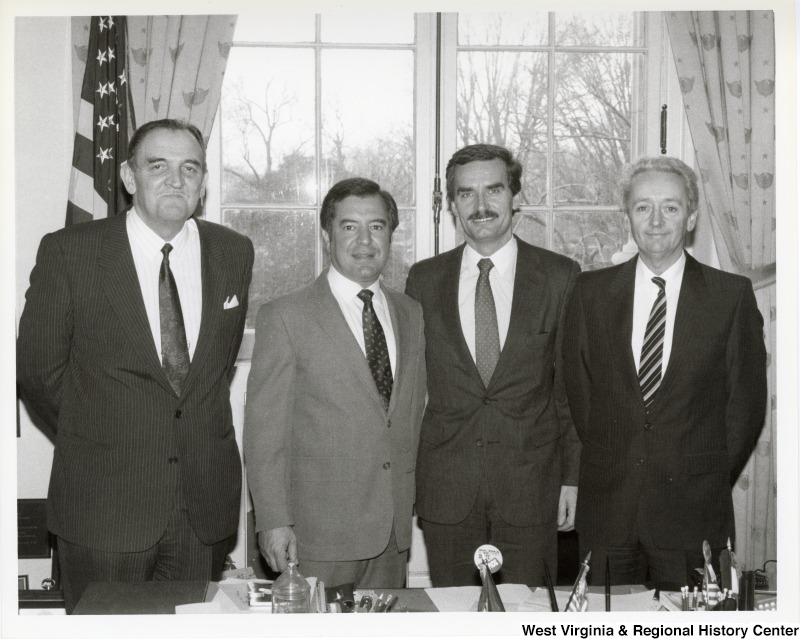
(653,346)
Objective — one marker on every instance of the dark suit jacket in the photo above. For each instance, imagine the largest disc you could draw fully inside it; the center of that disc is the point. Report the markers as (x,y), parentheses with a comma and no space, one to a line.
(683,458)
(521,422)
(322,454)
(88,365)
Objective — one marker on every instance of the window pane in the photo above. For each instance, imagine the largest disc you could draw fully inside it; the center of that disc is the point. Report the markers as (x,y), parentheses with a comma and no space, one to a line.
(502,28)
(589,237)
(277,24)
(592,125)
(403,252)
(368,119)
(285,244)
(382,27)
(268,127)
(502,99)
(605,29)
(531,226)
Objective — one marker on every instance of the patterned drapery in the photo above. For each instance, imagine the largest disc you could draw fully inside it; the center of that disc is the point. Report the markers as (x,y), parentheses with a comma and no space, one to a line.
(176,66)
(726,69)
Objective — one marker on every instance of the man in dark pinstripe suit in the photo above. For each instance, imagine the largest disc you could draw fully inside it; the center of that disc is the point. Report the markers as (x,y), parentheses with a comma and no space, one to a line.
(667,417)
(146,477)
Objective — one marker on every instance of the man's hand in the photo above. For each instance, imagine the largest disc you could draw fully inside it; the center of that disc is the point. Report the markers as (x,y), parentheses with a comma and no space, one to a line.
(566,508)
(279,547)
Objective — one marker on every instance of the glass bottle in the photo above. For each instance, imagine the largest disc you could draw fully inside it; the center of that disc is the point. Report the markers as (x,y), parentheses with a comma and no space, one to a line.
(291,592)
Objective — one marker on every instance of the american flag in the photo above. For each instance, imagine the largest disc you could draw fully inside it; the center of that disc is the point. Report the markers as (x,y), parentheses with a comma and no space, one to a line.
(101,140)
(579,598)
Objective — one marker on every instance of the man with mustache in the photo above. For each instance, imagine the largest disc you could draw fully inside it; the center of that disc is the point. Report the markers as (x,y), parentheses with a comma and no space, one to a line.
(498,455)
(335,399)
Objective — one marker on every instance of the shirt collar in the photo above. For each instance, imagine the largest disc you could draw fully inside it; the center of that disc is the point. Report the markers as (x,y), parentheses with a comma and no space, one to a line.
(673,275)
(347,288)
(152,240)
(502,259)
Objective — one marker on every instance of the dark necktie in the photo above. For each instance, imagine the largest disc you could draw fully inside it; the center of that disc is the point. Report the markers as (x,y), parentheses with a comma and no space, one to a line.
(653,346)
(174,349)
(487,337)
(376,350)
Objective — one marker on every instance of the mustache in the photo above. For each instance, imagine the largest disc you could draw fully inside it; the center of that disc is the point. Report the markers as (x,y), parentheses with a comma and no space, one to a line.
(484,215)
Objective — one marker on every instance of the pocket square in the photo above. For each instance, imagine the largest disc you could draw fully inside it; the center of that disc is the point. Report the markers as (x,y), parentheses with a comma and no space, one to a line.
(229,303)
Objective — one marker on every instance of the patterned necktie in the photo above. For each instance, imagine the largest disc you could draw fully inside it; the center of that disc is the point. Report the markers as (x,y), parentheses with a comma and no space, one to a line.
(487,337)
(653,346)
(376,349)
(174,348)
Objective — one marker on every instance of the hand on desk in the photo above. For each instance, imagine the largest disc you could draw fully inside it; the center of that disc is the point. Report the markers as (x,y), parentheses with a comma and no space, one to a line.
(279,547)
(566,508)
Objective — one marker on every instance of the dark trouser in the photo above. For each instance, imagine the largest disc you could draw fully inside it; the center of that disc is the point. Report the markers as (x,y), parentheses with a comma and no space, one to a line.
(387,570)
(451,547)
(178,556)
(639,560)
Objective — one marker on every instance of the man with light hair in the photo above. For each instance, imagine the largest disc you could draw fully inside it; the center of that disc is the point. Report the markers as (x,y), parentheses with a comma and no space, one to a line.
(665,370)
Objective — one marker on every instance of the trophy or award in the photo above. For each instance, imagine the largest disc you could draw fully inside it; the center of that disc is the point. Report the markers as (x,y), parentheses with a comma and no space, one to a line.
(488,560)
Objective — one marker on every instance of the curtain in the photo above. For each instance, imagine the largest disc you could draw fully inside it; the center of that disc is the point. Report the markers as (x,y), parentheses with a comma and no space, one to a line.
(176,68)
(726,69)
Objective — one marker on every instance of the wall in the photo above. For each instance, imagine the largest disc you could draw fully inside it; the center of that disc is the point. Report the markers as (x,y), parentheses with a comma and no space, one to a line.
(43,155)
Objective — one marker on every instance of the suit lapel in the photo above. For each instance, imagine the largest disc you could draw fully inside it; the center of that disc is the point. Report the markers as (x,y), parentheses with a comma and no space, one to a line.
(402,337)
(213,282)
(691,301)
(619,321)
(530,289)
(341,337)
(451,316)
(122,288)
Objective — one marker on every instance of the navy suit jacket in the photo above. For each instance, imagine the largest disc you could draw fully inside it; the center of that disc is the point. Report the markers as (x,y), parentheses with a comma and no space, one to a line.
(518,428)
(88,366)
(681,460)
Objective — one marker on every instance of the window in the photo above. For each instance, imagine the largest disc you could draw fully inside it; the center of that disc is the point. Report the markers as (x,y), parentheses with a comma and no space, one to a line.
(563,91)
(309,99)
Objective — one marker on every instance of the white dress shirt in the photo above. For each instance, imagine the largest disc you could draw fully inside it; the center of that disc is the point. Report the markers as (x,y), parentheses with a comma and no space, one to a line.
(184,262)
(501,279)
(644,294)
(346,293)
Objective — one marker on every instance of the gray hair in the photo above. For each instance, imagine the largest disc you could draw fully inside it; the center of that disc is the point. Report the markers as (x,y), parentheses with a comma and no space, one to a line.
(665,165)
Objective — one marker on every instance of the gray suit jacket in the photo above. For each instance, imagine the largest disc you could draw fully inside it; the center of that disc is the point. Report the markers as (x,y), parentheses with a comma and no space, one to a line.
(88,365)
(322,455)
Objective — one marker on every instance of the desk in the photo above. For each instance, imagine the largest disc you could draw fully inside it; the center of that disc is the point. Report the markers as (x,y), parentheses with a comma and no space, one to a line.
(161,597)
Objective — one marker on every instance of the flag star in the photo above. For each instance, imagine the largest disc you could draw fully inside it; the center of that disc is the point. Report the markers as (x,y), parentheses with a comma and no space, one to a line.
(105,154)
(111,55)
(111,88)
(123,79)
(110,21)
(102,122)
(111,119)
(102,25)
(102,89)
(101,56)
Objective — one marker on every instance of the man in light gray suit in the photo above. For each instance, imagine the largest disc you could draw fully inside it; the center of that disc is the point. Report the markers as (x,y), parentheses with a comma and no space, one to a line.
(335,399)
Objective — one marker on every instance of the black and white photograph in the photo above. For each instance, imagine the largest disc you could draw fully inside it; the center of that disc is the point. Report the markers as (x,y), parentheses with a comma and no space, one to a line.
(364,307)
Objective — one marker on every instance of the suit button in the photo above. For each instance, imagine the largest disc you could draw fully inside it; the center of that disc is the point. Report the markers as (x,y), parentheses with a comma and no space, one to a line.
(479,443)
(640,462)
(648,426)
(388,423)
(178,414)
(173,460)
(386,466)
(486,400)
